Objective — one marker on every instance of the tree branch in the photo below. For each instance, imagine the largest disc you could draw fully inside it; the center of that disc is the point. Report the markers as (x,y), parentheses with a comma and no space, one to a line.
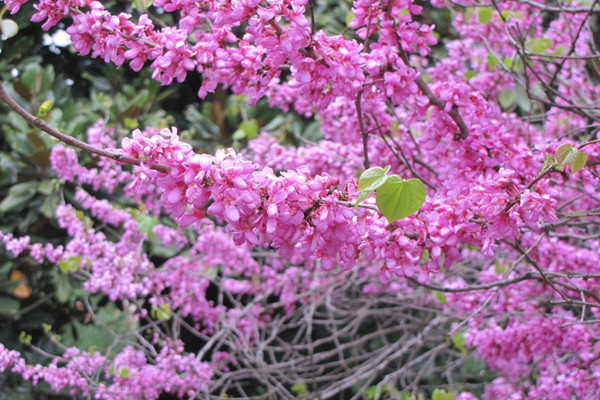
(436,101)
(506,282)
(365,135)
(71,141)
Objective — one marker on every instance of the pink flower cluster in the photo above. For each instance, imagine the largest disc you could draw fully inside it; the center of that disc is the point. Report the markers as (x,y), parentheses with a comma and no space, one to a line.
(173,372)
(338,159)
(490,207)
(107,175)
(130,372)
(277,37)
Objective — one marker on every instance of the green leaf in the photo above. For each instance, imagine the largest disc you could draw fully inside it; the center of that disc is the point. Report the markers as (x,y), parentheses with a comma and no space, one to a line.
(506,98)
(22,89)
(45,108)
(426,77)
(349,17)
(300,389)
(579,161)
(470,74)
(99,82)
(130,123)
(32,76)
(48,76)
(21,126)
(439,394)
(373,391)
(142,4)
(415,132)
(8,305)
(372,179)
(565,154)
(25,337)
(247,130)
(35,141)
(458,340)
(84,219)
(18,196)
(238,135)
(64,289)
(484,14)
(440,297)
(146,223)
(500,268)
(50,204)
(98,334)
(492,61)
(507,14)
(72,264)
(469,13)
(511,63)
(162,313)
(560,50)
(398,198)
(538,45)
(549,162)
(124,373)
(48,186)
(46,328)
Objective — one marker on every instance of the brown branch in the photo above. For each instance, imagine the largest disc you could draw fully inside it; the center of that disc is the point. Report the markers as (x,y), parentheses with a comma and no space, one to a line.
(353,204)
(361,124)
(530,186)
(439,103)
(402,157)
(581,146)
(535,265)
(71,141)
(453,113)
(311,9)
(491,285)
(567,10)
(573,44)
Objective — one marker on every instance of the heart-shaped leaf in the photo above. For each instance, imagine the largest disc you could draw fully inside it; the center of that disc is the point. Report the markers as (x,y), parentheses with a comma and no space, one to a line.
(398,198)
(565,154)
(579,161)
(372,178)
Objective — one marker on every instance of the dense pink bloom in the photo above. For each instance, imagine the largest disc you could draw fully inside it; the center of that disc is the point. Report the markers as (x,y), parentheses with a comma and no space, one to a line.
(491,208)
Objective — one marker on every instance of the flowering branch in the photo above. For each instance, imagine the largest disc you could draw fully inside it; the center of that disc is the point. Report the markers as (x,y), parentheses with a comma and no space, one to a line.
(71,141)
(436,101)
